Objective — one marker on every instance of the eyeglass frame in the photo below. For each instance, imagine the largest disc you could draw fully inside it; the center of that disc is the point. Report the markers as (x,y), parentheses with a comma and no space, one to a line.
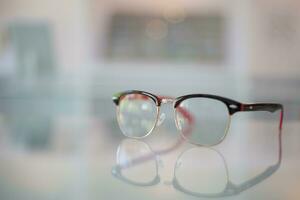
(232,107)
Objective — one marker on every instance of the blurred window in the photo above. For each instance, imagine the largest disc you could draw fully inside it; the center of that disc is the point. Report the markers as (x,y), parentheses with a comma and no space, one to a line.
(194,38)
(32,43)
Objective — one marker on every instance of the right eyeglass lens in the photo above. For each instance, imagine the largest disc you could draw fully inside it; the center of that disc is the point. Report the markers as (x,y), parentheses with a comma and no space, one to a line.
(137,115)
(202,121)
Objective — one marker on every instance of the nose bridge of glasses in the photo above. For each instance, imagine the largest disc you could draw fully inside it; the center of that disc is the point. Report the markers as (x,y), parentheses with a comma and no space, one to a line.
(167,100)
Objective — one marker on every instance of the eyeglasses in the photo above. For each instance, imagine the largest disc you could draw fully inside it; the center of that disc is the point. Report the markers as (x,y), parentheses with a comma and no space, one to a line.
(202,119)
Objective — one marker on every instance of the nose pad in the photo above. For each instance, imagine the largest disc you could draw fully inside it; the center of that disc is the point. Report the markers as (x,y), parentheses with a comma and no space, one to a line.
(161,119)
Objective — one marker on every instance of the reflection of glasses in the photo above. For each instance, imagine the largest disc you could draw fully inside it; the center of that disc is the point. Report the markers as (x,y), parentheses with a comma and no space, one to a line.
(207,176)
(206,118)
(217,184)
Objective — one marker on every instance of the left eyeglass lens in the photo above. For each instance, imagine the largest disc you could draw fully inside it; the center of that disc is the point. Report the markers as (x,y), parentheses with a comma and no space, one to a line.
(210,120)
(137,115)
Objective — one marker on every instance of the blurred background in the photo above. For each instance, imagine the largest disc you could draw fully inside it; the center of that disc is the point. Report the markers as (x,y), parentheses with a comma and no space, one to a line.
(61,62)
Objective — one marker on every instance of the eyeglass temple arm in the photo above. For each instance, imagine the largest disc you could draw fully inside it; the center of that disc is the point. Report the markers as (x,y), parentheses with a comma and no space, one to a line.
(270,107)
(185,113)
(190,120)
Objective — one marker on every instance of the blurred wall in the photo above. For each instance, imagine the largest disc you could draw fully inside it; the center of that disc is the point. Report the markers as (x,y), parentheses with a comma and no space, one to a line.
(262,40)
(67,19)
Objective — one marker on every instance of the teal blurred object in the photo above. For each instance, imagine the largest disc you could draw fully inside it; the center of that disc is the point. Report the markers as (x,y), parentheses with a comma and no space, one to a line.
(33,45)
